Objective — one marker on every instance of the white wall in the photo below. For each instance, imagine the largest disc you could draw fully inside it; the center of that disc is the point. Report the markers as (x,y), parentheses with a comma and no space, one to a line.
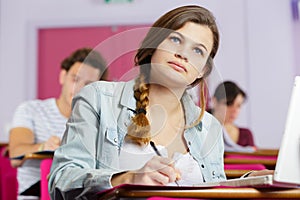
(256,50)
(271,67)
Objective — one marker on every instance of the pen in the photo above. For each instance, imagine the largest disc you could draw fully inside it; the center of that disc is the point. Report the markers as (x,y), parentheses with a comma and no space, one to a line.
(159,154)
(154,148)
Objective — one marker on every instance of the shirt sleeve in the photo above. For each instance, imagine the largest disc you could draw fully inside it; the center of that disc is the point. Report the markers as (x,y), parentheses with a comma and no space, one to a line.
(23,116)
(77,170)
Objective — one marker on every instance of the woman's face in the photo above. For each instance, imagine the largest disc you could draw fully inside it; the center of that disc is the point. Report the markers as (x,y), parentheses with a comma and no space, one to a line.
(181,57)
(229,112)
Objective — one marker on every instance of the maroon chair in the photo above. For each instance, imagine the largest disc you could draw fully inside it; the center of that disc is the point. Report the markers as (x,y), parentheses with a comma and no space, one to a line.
(8,177)
(45,170)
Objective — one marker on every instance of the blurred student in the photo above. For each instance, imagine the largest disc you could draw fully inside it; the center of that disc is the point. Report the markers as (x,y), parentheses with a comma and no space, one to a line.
(38,125)
(227,103)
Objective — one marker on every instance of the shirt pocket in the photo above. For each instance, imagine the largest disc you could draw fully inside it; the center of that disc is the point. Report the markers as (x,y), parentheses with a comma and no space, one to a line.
(108,151)
(111,136)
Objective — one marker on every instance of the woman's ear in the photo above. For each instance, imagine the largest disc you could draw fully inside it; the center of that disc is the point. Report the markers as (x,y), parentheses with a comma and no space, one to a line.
(62,76)
(200,75)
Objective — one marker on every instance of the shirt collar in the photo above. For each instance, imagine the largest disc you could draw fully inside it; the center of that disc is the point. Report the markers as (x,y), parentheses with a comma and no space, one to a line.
(191,111)
(127,98)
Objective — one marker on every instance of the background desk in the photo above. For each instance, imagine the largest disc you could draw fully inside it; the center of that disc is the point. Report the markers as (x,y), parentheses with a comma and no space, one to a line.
(132,192)
(258,152)
(258,160)
(39,155)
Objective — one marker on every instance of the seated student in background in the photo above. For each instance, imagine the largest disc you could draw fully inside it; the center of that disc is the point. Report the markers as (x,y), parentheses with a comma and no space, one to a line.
(39,124)
(227,102)
(113,124)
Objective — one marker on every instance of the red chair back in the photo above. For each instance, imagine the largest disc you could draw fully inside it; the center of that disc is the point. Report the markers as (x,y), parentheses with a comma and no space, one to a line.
(45,170)
(8,177)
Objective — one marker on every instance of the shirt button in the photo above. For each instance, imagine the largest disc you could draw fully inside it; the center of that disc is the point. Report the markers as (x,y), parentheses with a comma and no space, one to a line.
(202,166)
(189,143)
(115,140)
(213,173)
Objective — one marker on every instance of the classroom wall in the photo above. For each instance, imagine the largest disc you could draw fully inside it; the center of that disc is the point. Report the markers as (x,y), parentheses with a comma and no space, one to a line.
(257,50)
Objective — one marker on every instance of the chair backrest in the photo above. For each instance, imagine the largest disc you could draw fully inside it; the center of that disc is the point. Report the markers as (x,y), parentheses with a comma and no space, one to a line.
(45,170)
(8,177)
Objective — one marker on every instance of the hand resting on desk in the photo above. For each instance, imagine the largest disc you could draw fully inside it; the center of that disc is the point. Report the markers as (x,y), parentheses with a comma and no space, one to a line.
(157,171)
(51,144)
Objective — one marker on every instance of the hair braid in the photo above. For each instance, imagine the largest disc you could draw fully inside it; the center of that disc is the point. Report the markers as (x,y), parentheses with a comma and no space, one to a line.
(139,129)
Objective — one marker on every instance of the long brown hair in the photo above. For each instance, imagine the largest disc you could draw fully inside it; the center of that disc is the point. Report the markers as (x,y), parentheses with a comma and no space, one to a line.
(139,129)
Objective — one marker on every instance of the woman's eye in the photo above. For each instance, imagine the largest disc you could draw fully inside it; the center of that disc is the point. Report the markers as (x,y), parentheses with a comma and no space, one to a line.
(198,51)
(175,39)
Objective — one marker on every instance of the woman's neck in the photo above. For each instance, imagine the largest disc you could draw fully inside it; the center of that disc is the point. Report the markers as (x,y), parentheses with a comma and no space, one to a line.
(233,131)
(170,99)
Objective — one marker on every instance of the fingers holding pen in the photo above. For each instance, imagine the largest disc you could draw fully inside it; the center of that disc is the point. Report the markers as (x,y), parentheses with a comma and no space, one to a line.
(171,170)
(157,171)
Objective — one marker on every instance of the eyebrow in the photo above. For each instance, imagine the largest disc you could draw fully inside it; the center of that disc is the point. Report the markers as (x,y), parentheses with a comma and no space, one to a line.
(198,44)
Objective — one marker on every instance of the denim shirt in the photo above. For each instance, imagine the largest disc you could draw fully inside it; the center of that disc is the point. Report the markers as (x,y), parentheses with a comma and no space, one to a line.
(89,155)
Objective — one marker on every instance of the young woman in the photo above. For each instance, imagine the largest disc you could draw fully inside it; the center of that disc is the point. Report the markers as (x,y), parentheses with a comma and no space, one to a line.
(227,102)
(108,136)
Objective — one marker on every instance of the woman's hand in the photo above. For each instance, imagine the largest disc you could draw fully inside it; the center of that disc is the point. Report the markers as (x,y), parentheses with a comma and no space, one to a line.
(157,171)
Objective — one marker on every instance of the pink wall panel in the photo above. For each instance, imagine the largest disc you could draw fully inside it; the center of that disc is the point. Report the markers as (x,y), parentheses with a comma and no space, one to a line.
(117,44)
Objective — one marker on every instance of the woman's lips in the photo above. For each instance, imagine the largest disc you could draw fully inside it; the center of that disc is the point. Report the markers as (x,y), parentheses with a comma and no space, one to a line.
(177,67)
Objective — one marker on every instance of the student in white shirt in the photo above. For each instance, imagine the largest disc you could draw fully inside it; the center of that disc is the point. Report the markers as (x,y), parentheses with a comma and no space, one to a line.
(39,124)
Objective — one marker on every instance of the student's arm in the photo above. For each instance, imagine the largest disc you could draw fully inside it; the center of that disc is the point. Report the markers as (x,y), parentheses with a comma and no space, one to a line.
(21,142)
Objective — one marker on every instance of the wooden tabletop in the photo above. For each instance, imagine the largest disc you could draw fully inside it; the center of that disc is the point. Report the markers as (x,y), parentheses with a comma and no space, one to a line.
(224,193)
(258,152)
(38,155)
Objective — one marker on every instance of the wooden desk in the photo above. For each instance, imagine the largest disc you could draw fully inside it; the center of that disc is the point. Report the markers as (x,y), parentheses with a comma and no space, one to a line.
(38,155)
(266,157)
(267,163)
(132,192)
(258,152)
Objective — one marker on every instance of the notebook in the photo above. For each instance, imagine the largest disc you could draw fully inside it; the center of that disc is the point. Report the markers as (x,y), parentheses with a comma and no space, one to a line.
(287,169)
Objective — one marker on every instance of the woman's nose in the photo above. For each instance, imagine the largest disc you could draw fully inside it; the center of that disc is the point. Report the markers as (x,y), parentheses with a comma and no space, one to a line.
(177,55)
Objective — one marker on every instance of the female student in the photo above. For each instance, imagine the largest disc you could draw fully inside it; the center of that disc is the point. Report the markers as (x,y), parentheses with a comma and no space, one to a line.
(227,102)
(108,136)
